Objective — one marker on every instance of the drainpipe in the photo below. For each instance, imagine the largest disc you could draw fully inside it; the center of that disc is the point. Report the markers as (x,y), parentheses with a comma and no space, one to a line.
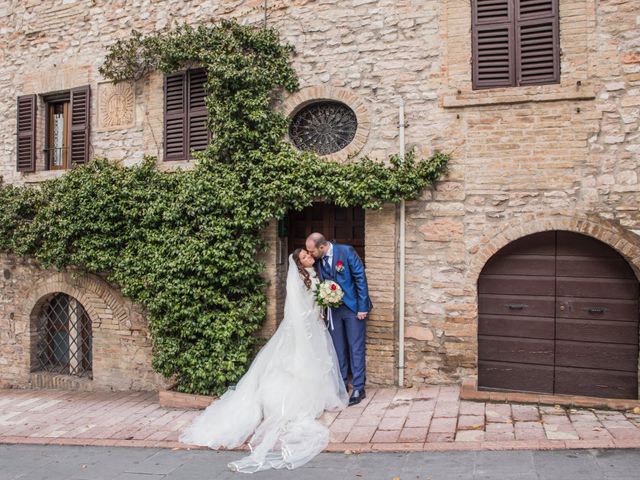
(266,8)
(402,260)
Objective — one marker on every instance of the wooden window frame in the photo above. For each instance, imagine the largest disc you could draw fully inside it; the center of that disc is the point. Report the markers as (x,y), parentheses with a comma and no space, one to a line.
(50,102)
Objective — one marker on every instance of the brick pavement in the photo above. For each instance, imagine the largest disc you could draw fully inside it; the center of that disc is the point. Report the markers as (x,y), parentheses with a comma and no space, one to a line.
(420,419)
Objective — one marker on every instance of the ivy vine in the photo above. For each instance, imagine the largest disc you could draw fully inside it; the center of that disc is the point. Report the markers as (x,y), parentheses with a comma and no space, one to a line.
(184,245)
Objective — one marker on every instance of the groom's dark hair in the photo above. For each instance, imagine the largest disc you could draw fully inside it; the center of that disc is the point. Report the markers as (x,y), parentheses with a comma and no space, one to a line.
(318,239)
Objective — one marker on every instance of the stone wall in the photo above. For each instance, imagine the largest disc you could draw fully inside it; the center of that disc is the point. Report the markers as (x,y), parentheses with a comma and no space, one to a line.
(525,159)
(382,276)
(121,347)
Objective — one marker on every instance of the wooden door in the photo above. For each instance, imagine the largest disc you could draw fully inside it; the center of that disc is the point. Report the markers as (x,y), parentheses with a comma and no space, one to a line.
(558,313)
(516,316)
(337,224)
(596,320)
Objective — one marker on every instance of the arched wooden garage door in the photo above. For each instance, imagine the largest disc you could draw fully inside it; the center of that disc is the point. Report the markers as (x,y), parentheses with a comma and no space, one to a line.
(558,313)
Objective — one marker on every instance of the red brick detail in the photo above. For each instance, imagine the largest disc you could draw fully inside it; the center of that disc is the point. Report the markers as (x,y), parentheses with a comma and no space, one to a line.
(171,399)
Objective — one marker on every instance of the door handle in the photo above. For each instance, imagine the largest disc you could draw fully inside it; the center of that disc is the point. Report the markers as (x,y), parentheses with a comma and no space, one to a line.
(596,309)
(515,306)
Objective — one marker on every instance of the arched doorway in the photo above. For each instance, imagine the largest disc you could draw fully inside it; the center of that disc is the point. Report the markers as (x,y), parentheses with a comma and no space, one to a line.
(558,313)
(339,224)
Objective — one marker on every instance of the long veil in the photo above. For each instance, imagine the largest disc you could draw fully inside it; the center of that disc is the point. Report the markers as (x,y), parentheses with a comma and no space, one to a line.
(292,380)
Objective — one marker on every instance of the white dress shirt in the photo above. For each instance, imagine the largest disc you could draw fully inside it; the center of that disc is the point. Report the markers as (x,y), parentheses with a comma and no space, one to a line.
(329,260)
(329,256)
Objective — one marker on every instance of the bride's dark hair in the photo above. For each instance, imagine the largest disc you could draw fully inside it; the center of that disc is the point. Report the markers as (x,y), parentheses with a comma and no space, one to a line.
(306,278)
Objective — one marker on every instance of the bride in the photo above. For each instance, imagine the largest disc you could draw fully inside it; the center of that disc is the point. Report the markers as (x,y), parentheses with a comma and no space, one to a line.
(293,379)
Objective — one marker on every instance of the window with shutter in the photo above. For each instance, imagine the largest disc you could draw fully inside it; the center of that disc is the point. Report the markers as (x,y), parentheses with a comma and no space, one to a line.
(493,45)
(80,120)
(67,126)
(537,45)
(26,133)
(175,116)
(198,130)
(185,114)
(57,128)
(515,42)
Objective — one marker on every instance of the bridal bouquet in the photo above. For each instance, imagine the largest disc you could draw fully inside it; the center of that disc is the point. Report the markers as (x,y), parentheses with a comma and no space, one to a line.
(329,294)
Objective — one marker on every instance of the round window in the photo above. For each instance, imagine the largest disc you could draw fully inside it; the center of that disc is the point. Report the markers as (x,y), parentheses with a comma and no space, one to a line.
(324,127)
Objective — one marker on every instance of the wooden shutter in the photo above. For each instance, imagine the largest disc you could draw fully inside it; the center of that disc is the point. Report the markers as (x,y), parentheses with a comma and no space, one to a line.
(80,121)
(26,133)
(537,42)
(175,117)
(198,132)
(492,43)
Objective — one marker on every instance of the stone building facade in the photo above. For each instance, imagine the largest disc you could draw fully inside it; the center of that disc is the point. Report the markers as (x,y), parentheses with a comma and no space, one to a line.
(120,341)
(526,159)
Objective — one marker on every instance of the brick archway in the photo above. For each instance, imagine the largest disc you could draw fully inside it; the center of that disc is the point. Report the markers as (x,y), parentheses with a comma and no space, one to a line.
(308,95)
(92,293)
(121,342)
(98,298)
(623,241)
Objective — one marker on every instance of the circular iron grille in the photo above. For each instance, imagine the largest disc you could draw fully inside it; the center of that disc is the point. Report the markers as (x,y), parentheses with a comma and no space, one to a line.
(323,127)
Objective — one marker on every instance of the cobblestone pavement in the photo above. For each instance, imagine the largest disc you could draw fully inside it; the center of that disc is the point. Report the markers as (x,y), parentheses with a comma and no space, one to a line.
(48,462)
(429,418)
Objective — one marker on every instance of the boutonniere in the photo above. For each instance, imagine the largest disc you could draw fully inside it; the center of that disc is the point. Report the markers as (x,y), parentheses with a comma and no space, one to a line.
(339,266)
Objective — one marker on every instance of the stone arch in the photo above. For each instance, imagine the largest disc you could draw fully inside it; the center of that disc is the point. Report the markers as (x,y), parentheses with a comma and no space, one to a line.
(89,291)
(101,301)
(621,240)
(308,95)
(121,343)
(103,304)
(97,310)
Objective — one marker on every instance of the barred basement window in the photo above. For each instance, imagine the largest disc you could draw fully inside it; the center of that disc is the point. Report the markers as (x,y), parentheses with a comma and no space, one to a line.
(323,127)
(64,337)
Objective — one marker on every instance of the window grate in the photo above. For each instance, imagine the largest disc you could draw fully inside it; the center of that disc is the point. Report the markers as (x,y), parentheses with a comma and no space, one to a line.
(323,127)
(65,338)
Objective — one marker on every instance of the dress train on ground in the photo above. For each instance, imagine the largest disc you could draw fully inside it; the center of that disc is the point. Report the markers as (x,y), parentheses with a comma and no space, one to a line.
(294,378)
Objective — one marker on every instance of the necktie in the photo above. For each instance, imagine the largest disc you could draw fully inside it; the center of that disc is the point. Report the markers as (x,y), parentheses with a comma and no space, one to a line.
(327,272)
(325,263)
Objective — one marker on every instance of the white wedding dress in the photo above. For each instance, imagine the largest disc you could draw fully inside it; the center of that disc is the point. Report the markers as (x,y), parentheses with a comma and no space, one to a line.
(294,378)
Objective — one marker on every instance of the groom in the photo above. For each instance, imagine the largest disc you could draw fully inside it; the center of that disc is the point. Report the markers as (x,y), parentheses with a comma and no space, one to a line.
(342,264)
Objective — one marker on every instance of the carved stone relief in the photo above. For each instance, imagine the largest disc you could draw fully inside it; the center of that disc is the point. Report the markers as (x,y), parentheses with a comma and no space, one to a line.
(116,106)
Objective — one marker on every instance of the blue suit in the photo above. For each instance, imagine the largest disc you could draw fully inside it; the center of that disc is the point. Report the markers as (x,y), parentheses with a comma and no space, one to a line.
(348,333)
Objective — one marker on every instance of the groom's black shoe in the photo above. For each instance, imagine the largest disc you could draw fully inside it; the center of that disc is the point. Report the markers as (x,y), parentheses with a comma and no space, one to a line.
(356,397)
